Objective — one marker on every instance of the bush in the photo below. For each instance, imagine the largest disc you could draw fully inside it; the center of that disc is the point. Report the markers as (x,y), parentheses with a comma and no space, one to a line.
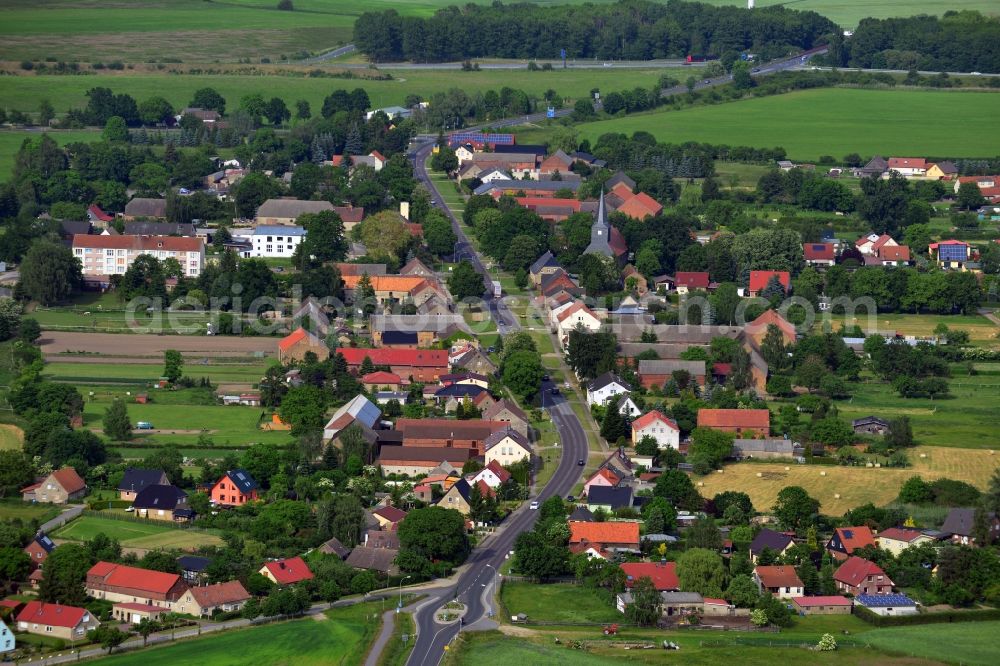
(27,65)
(827,643)
(285,5)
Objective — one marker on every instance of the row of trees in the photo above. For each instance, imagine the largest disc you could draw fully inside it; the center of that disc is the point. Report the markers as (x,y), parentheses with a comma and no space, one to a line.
(670,30)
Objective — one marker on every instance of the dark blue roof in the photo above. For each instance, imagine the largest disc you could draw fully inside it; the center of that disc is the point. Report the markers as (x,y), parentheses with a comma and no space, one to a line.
(243,480)
(766,538)
(45,542)
(193,562)
(459,391)
(159,496)
(613,497)
(136,479)
(884,600)
(399,337)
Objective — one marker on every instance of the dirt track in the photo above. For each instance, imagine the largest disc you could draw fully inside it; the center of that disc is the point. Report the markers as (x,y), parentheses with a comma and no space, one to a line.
(110,344)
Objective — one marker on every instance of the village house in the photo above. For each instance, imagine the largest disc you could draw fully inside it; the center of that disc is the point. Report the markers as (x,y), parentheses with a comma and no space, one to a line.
(296,345)
(144,207)
(493,475)
(193,568)
(457,497)
(819,254)
(603,477)
(380,379)
(38,550)
(506,411)
(162,502)
(286,211)
(544,265)
(235,488)
(420,365)
(135,479)
(685,282)
(760,279)
(359,410)
(765,448)
(908,167)
(68,623)
(949,254)
(859,576)
(663,575)
(871,244)
(270,240)
(745,423)
(414,461)
(959,524)
(467,356)
(887,604)
(121,583)
(134,613)
(897,539)
(506,447)
(781,581)
(571,316)
(388,517)
(989,186)
(605,536)
(286,571)
(59,487)
(654,424)
(412,331)
(102,256)
(657,372)
(605,387)
(776,542)
(451,433)
(822,605)
(870,425)
(846,540)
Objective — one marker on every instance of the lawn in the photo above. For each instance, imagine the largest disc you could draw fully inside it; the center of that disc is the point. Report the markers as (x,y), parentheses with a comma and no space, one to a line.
(830,121)
(10,142)
(15,508)
(559,602)
(980,329)
(532,647)
(82,372)
(135,534)
(954,422)
(964,643)
(11,437)
(855,485)
(340,636)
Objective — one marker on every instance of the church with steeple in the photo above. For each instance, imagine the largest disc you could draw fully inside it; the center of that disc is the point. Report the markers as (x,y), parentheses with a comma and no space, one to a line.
(604,238)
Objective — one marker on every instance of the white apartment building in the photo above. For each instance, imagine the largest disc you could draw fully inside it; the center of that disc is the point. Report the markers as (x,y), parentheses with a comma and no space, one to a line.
(275,241)
(112,255)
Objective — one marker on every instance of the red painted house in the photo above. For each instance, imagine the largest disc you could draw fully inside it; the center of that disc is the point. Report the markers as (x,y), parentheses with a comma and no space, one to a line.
(860,576)
(235,488)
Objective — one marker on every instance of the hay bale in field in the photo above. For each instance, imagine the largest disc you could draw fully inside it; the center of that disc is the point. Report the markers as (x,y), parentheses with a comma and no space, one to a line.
(759,475)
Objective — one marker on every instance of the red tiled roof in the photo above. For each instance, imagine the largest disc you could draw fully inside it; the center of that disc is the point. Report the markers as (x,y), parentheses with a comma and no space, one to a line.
(607,475)
(829,600)
(855,537)
(145,243)
(399,283)
(722,368)
(573,309)
(381,377)
(664,576)
(895,253)
(296,337)
(907,162)
(639,206)
(289,571)
(769,317)
(498,469)
(881,241)
(220,593)
(817,251)
(350,213)
(759,279)
(716,602)
(757,419)
(617,242)
(484,488)
(54,615)
(934,246)
(69,479)
(390,513)
(855,569)
(603,533)
(900,534)
(649,418)
(96,211)
(692,280)
(429,358)
(778,576)
(146,580)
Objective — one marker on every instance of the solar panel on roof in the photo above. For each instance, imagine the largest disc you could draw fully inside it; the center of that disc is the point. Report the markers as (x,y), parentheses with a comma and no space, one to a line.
(819,248)
(849,534)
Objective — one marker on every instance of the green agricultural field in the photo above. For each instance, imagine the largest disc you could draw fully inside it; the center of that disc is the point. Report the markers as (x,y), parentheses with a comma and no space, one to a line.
(954,422)
(136,534)
(968,643)
(848,13)
(68,371)
(65,92)
(340,636)
(832,121)
(10,142)
(559,602)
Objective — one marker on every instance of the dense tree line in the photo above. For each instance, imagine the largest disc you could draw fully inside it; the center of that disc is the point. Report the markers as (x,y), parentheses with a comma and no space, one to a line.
(963,41)
(630,29)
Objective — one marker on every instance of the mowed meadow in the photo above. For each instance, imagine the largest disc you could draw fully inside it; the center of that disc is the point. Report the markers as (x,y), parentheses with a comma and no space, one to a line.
(831,121)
